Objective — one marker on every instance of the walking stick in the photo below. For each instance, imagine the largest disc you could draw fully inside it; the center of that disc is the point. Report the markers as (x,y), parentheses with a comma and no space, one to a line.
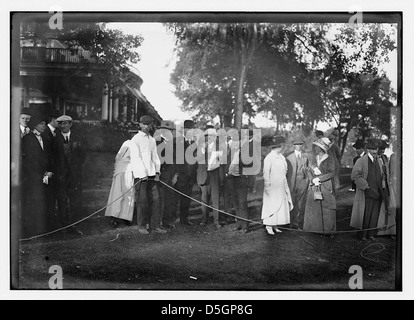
(323,223)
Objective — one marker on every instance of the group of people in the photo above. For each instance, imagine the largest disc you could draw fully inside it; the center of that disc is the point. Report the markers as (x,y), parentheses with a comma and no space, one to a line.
(52,155)
(158,187)
(299,188)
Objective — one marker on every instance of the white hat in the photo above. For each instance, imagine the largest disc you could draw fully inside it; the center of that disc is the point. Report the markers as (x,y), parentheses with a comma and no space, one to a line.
(64,118)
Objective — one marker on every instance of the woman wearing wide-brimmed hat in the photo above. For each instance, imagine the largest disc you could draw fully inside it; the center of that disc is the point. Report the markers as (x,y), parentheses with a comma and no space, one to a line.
(320,209)
(277,201)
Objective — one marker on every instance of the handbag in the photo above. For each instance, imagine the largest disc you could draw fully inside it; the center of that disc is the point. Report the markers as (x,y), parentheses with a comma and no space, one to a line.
(317,194)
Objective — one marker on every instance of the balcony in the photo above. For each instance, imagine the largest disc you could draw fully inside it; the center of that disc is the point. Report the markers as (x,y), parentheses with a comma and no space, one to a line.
(55,55)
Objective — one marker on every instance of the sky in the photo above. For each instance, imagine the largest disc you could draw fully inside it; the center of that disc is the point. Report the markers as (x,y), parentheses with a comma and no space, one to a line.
(158,60)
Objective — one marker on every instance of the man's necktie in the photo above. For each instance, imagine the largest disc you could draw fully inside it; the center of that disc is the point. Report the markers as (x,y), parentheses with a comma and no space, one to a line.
(66,140)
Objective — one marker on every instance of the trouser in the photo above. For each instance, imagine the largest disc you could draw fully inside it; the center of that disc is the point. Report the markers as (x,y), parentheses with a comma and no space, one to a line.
(297,214)
(371,215)
(239,188)
(148,204)
(69,200)
(184,201)
(211,192)
(168,205)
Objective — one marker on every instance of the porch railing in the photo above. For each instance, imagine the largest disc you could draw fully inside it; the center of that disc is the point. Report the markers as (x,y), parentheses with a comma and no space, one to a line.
(55,55)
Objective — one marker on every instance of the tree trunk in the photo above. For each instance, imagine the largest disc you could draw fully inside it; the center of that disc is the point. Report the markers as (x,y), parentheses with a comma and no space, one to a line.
(239,95)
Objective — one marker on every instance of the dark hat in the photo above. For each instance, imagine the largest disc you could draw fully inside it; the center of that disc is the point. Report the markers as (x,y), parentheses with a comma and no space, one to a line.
(372,144)
(167,125)
(189,124)
(298,140)
(277,141)
(145,119)
(27,111)
(359,144)
(64,118)
(322,143)
(319,133)
(53,114)
(36,119)
(382,144)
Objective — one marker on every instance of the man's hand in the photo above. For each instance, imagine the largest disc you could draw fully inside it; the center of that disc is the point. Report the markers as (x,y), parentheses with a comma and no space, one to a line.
(157,177)
(371,193)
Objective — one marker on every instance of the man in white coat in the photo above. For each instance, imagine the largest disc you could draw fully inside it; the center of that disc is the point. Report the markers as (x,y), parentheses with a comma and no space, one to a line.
(148,173)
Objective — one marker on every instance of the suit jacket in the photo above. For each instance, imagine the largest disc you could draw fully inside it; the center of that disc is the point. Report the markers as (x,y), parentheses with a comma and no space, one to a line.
(35,160)
(68,165)
(187,172)
(297,171)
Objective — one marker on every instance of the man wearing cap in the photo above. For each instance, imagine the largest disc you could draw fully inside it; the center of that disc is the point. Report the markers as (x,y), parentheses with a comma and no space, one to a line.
(298,181)
(359,147)
(25,115)
(69,158)
(369,193)
(187,172)
(147,177)
(37,168)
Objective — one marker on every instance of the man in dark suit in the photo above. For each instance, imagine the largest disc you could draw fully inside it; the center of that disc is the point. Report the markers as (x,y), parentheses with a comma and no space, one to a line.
(25,115)
(69,158)
(37,173)
(187,172)
(370,192)
(49,138)
(298,182)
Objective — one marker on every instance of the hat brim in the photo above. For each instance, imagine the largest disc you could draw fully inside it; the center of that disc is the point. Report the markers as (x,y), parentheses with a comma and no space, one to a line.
(323,147)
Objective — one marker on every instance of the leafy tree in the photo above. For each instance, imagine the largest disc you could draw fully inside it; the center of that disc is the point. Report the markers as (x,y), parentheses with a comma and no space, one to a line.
(231,69)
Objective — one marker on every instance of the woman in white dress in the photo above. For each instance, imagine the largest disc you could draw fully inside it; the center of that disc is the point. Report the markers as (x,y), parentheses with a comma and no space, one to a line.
(277,201)
(121,200)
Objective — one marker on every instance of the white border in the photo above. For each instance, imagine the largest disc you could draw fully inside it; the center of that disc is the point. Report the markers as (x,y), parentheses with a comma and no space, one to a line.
(208,5)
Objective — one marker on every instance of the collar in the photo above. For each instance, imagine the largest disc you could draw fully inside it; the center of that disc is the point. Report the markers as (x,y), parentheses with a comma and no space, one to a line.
(298,153)
(66,134)
(320,159)
(52,128)
(142,133)
(37,133)
(370,156)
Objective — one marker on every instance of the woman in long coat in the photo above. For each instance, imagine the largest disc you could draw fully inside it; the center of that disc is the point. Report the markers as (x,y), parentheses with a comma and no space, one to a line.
(320,215)
(121,200)
(277,201)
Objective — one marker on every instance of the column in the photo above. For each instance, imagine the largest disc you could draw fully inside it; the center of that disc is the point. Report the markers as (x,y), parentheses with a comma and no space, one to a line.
(115,109)
(104,114)
(110,105)
(125,107)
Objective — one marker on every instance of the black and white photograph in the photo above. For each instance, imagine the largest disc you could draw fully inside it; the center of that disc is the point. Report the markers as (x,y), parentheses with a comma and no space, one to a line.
(200,151)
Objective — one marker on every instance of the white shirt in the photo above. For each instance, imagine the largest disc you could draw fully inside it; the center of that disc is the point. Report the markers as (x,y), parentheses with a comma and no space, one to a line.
(148,161)
(24,130)
(39,137)
(298,154)
(67,134)
(52,129)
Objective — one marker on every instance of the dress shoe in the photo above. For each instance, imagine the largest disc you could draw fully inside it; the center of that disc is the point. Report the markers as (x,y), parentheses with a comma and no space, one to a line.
(202,224)
(278,230)
(143,231)
(270,231)
(218,226)
(160,230)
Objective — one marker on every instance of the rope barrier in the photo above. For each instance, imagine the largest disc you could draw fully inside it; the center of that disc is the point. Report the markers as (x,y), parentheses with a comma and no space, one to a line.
(263,224)
(259,223)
